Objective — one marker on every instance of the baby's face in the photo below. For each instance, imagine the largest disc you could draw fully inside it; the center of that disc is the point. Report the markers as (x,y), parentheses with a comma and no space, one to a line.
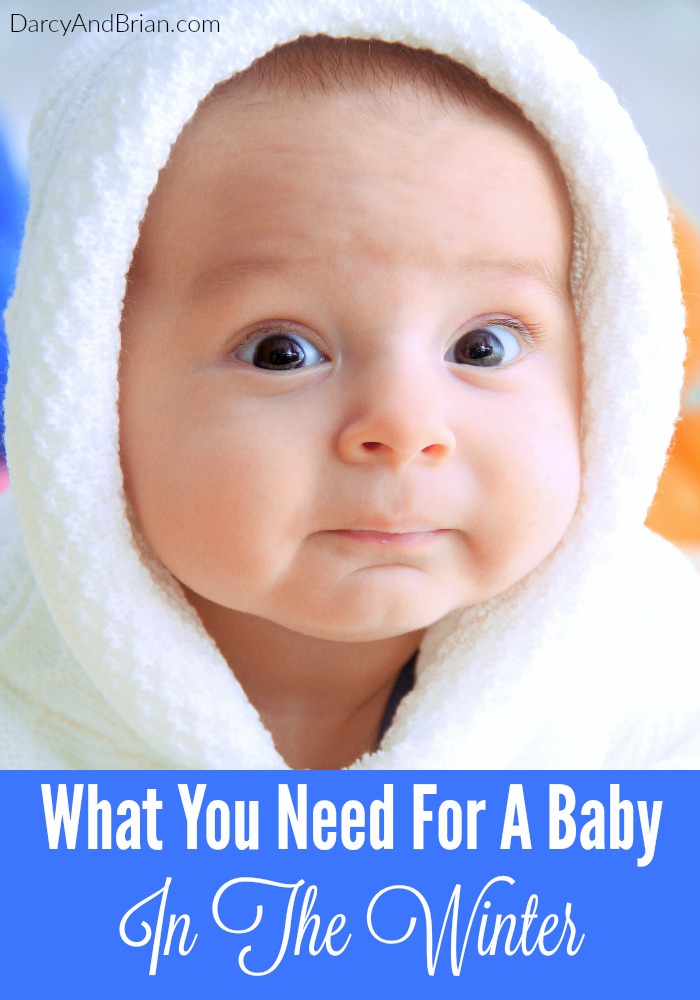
(350,393)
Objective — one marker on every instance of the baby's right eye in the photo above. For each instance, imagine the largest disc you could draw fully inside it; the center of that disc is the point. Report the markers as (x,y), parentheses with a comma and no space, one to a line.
(279,351)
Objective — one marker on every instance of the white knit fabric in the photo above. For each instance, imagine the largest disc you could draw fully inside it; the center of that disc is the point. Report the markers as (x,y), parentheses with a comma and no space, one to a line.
(590,662)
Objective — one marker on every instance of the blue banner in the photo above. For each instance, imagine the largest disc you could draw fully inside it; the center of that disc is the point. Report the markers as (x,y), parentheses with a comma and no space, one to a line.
(487,884)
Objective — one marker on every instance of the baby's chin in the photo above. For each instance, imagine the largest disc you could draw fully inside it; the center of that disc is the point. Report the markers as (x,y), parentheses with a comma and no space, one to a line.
(345,634)
(391,602)
(340,602)
(415,603)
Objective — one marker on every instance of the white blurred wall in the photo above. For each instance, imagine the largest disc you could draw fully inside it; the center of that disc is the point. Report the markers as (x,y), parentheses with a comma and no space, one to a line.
(649,50)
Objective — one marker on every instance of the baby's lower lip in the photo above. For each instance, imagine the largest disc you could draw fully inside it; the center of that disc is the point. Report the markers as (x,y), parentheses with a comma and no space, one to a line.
(395,539)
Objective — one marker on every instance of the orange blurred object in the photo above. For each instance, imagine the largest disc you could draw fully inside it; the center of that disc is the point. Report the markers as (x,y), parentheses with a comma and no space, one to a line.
(675,513)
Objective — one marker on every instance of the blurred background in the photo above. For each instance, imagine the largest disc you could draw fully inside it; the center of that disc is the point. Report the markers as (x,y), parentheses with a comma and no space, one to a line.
(648,50)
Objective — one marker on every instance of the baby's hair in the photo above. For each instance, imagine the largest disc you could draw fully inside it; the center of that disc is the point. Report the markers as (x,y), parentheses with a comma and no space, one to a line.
(321,64)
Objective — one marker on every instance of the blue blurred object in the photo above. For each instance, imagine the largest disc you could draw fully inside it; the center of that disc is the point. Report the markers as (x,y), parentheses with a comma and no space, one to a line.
(13,207)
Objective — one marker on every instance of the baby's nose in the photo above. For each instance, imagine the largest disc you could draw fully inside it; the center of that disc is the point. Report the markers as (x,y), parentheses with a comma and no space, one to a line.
(396,425)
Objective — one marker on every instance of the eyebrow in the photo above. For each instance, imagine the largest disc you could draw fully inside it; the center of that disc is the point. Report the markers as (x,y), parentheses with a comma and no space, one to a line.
(544,271)
(222,275)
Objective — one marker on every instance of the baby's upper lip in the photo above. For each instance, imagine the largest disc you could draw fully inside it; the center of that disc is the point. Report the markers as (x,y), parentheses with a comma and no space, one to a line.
(383,527)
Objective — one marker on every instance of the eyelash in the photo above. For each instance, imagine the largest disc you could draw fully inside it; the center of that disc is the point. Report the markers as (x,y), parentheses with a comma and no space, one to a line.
(281,348)
(530,332)
(266,331)
(473,347)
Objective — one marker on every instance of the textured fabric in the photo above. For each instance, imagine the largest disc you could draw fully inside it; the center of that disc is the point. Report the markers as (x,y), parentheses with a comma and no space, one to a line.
(589,662)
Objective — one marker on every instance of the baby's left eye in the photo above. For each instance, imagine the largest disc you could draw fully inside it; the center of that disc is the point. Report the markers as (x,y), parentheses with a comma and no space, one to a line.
(279,351)
(485,347)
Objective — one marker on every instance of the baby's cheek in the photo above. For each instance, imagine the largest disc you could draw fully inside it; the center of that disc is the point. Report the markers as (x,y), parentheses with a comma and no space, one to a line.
(239,511)
(530,487)
(551,484)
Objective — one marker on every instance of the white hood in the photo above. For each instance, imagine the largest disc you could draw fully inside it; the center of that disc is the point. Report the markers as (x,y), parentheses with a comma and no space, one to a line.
(564,670)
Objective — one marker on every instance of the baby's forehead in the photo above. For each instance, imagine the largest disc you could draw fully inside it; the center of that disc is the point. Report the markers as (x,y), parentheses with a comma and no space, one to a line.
(313,177)
(388,81)
(288,121)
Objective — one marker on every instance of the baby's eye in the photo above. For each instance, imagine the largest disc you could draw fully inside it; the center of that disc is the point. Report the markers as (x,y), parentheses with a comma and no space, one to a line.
(486,346)
(279,352)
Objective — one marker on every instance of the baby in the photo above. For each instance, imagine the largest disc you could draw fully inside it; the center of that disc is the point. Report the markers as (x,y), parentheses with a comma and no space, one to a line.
(351,399)
(350,366)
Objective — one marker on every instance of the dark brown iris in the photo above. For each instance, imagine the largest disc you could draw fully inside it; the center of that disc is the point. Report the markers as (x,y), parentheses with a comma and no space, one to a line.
(479,347)
(279,353)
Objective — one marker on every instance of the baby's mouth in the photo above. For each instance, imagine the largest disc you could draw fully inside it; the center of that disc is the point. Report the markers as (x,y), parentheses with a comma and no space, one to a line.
(401,538)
